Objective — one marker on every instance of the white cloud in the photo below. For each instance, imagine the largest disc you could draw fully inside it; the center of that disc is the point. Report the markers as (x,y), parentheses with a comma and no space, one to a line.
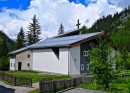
(53,12)
(120,3)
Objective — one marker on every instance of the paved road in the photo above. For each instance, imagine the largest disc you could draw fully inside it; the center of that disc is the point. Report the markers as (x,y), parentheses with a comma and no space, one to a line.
(4,88)
(81,91)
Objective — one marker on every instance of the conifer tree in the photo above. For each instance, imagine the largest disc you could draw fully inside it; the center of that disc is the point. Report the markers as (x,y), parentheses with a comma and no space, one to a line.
(3,47)
(20,42)
(29,38)
(34,31)
(4,58)
(61,29)
(84,30)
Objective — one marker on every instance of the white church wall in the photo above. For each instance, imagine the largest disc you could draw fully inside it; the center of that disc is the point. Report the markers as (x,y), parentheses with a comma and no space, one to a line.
(46,60)
(12,64)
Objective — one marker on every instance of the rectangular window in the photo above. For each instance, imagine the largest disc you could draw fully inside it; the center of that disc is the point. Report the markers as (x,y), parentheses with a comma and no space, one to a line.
(82,66)
(28,64)
(28,56)
(87,66)
(86,53)
(11,64)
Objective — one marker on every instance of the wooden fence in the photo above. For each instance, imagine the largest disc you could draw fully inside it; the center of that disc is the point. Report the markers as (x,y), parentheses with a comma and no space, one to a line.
(6,77)
(122,75)
(52,86)
(16,81)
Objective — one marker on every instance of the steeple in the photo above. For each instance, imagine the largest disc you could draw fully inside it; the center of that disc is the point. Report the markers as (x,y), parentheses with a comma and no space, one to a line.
(78,24)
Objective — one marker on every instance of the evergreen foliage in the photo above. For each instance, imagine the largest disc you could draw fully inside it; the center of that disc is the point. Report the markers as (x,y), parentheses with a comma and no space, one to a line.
(101,63)
(34,31)
(10,43)
(4,59)
(117,27)
(84,30)
(61,29)
(122,62)
(20,42)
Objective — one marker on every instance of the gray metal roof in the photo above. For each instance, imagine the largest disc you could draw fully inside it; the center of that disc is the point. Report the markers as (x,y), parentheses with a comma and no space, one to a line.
(68,32)
(57,42)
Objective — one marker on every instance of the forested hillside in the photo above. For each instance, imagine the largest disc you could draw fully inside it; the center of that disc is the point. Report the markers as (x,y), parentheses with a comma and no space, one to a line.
(10,43)
(117,27)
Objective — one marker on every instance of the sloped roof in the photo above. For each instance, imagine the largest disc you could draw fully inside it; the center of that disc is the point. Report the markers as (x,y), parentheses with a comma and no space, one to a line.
(57,42)
(69,33)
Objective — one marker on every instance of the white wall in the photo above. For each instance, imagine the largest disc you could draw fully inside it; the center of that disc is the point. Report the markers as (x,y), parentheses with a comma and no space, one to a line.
(46,60)
(74,60)
(12,62)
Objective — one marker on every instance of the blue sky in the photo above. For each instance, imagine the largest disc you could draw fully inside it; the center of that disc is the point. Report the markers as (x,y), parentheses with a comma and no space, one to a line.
(23,4)
(14,4)
(15,14)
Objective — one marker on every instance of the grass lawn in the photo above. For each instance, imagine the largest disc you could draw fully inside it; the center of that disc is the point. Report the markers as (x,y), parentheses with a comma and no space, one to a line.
(6,82)
(34,91)
(36,76)
(124,72)
(121,85)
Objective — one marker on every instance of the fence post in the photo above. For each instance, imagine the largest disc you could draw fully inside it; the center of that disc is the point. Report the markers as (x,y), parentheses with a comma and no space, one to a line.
(74,81)
(64,84)
(40,85)
(54,86)
(30,82)
(14,80)
(3,76)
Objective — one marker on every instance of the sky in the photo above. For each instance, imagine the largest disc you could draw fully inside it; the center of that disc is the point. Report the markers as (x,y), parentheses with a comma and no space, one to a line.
(15,14)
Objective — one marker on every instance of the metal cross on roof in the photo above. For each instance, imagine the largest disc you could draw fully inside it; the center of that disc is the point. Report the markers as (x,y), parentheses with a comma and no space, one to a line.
(78,24)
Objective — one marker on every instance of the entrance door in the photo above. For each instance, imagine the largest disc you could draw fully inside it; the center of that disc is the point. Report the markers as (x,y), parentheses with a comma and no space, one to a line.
(19,66)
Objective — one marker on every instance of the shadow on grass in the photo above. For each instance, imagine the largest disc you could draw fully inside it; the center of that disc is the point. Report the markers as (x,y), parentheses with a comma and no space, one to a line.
(6,90)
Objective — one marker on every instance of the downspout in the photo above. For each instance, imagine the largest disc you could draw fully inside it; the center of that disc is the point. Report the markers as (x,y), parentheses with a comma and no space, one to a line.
(31,60)
(68,61)
(15,62)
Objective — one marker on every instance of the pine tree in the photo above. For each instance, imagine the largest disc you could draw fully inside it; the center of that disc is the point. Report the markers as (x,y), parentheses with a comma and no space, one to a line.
(3,47)
(61,29)
(84,30)
(29,38)
(20,42)
(34,31)
(4,58)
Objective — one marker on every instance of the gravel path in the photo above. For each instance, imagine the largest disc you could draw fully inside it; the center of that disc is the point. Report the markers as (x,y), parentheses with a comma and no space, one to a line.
(79,90)
(4,88)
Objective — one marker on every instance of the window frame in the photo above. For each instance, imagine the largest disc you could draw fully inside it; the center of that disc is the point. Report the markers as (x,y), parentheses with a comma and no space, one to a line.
(28,56)
(86,53)
(87,66)
(11,65)
(28,64)
(82,66)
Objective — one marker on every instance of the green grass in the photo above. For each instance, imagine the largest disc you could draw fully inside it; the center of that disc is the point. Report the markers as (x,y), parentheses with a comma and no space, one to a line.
(121,85)
(36,76)
(34,91)
(124,72)
(6,82)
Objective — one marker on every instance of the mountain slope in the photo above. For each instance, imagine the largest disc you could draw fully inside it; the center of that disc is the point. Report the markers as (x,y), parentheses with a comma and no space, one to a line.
(117,27)
(9,42)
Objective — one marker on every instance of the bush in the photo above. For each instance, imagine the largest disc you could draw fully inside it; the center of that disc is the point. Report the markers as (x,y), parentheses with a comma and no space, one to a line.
(4,64)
